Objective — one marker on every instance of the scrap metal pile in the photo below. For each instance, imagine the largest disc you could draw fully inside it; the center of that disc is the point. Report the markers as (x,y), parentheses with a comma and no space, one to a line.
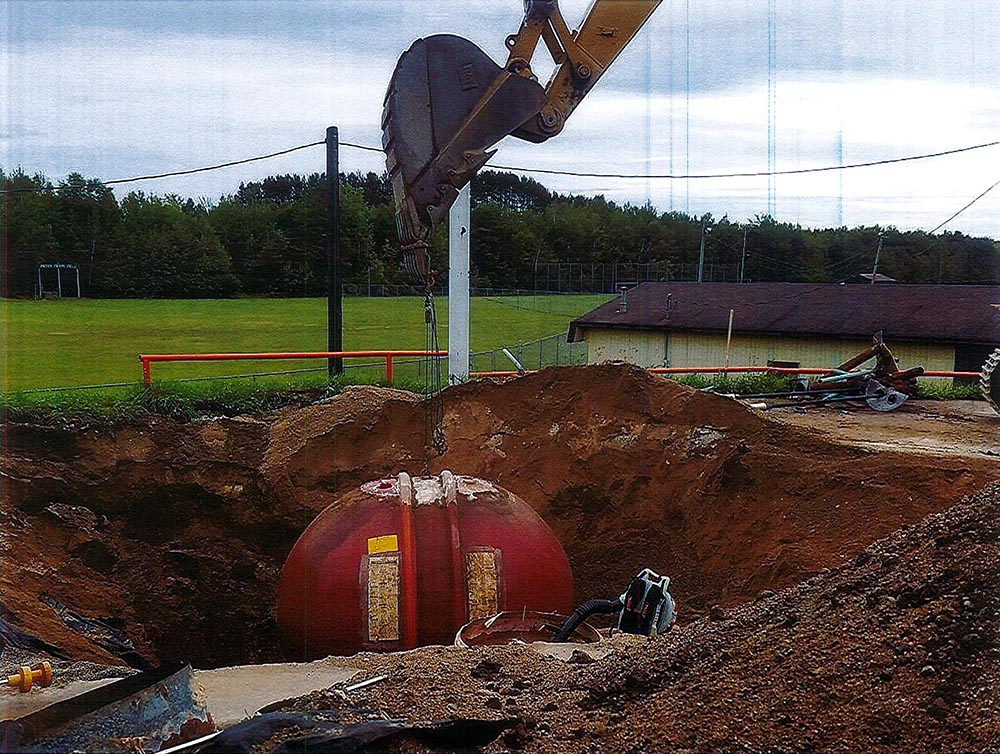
(883,387)
(989,380)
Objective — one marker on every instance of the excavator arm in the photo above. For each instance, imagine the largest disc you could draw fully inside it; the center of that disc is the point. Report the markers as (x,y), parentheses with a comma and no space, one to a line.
(582,56)
(448,103)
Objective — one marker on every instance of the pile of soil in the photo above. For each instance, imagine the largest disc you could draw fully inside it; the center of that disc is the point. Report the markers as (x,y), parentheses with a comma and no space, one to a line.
(172,535)
(898,650)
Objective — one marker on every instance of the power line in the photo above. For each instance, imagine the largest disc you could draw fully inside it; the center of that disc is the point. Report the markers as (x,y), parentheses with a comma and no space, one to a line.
(937,240)
(628,176)
(214,167)
(362,147)
(175,173)
(932,232)
(757,174)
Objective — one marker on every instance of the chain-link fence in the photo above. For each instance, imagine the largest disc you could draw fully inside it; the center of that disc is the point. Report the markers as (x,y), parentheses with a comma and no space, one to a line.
(554,350)
(572,277)
(576,277)
(411,373)
(380,290)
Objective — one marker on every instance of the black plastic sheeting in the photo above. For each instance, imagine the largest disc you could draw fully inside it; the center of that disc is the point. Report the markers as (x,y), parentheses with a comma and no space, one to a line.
(10,634)
(321,733)
(107,633)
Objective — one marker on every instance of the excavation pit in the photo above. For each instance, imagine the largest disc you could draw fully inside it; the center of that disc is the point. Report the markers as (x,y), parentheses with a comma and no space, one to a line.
(169,537)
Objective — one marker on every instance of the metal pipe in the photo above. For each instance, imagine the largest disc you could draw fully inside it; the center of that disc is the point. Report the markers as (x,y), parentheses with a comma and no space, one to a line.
(459,590)
(147,359)
(719,370)
(408,556)
(841,376)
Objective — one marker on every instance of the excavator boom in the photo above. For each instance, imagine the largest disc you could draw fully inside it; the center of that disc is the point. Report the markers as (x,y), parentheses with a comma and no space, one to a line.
(582,56)
(448,103)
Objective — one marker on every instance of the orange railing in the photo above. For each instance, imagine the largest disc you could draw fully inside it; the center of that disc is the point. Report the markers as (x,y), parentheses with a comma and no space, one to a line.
(738,370)
(147,359)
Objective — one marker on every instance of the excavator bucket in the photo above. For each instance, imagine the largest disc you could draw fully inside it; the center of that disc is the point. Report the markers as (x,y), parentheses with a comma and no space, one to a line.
(447,103)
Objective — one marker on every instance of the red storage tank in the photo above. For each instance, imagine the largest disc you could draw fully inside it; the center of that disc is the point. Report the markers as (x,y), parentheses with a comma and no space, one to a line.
(404,562)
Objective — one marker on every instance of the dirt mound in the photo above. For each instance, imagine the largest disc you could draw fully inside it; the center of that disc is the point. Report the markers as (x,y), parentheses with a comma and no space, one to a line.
(899,650)
(177,531)
(632,470)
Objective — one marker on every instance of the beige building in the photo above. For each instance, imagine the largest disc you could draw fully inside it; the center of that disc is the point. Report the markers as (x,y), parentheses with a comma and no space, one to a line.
(941,327)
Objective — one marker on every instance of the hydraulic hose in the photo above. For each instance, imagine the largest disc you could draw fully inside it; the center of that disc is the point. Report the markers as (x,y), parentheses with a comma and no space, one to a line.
(584,611)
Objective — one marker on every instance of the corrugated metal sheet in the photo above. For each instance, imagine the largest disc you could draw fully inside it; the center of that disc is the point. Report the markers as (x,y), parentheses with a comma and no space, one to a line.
(937,313)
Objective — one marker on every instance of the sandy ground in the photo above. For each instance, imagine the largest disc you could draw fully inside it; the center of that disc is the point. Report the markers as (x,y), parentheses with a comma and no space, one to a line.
(963,428)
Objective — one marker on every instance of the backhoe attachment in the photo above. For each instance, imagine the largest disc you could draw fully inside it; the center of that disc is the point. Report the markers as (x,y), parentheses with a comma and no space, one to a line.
(448,103)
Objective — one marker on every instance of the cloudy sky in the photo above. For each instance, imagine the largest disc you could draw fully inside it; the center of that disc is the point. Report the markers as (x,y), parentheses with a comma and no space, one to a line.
(126,87)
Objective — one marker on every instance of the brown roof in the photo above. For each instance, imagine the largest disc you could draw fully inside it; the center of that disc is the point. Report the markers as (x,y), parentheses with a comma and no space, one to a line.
(949,313)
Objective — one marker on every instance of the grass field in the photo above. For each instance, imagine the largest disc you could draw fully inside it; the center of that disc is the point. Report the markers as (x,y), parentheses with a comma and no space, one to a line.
(84,342)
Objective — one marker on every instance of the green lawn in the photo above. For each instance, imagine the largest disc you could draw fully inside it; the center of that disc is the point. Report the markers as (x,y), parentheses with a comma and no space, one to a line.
(82,342)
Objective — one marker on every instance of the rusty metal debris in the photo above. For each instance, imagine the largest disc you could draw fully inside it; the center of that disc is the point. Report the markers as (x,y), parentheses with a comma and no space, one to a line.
(883,387)
(146,712)
(989,380)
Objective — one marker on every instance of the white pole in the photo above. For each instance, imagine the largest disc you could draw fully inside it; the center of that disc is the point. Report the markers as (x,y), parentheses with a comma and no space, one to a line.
(459,223)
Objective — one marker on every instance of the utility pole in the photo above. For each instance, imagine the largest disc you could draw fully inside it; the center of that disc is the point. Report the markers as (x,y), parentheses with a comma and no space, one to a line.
(743,256)
(878,253)
(334,290)
(701,252)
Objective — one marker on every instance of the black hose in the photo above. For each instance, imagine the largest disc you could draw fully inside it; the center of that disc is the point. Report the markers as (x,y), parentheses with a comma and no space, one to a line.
(584,611)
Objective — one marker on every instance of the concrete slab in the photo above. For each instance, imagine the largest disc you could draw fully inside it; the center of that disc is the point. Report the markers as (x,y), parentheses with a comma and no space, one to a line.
(236,693)
(14,705)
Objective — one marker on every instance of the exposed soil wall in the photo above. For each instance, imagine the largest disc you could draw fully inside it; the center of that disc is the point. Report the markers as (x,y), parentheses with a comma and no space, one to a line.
(177,531)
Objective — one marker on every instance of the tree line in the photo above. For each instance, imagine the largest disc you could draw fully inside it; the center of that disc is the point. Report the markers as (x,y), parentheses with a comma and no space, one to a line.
(268,238)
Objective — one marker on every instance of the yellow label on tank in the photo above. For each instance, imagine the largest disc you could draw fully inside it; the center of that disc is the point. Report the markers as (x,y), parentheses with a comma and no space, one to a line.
(388,543)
